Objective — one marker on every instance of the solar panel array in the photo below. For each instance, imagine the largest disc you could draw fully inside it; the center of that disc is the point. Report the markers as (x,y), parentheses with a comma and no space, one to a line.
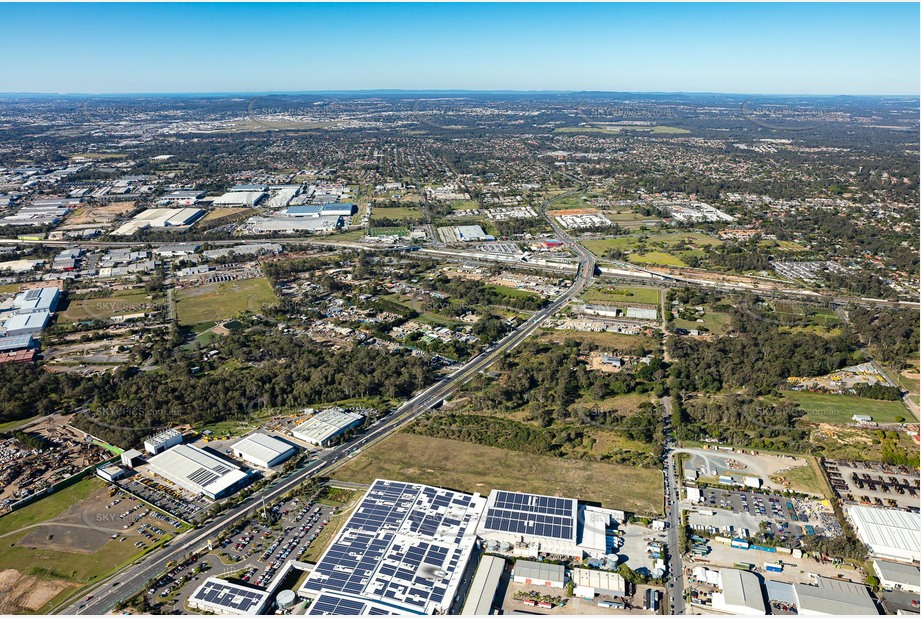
(401,546)
(529,514)
(230,596)
(335,605)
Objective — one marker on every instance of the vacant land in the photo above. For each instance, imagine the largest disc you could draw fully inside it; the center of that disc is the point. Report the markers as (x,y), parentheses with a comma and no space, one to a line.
(714,321)
(395,213)
(474,468)
(609,342)
(803,479)
(121,302)
(58,543)
(823,408)
(512,292)
(641,295)
(228,214)
(221,301)
(388,231)
(659,258)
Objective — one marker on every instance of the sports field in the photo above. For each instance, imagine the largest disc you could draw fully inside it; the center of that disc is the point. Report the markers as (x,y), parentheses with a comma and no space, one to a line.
(824,408)
(120,302)
(221,301)
(474,468)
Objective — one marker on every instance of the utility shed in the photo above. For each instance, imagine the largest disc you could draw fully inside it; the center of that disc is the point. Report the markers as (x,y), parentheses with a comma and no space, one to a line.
(741,594)
(834,597)
(589,583)
(483,589)
(539,574)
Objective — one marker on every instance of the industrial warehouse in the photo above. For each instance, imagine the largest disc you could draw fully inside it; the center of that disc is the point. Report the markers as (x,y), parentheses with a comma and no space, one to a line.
(225,598)
(404,549)
(198,471)
(326,426)
(888,533)
(261,450)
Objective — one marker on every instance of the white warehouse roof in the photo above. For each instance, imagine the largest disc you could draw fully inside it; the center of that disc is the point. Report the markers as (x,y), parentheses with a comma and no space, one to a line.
(197,470)
(834,597)
(239,198)
(37,299)
(222,597)
(262,450)
(741,593)
(888,533)
(326,425)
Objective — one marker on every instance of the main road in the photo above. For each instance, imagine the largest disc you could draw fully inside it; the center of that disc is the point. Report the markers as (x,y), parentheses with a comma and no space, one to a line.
(675,591)
(102,597)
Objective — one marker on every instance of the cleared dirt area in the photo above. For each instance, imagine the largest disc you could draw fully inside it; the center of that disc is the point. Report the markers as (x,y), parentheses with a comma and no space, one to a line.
(475,468)
(99,214)
(26,593)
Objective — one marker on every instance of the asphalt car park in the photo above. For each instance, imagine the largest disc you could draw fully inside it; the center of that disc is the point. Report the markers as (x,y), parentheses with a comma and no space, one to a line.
(188,508)
(779,511)
(251,554)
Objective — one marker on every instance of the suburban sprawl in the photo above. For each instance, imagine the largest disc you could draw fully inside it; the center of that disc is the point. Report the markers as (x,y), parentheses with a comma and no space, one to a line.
(471,354)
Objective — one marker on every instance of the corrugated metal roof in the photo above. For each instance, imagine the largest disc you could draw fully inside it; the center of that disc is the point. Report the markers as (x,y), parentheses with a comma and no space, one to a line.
(483,589)
(540,571)
(196,470)
(262,448)
(326,424)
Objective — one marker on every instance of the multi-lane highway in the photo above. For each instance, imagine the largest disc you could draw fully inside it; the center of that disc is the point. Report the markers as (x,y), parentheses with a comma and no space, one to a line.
(134,578)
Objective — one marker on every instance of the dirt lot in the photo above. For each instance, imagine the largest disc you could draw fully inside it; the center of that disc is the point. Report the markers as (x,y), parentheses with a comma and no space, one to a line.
(99,214)
(26,593)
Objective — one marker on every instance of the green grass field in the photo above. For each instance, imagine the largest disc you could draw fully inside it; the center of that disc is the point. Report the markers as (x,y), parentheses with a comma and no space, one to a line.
(49,507)
(474,468)
(120,302)
(641,295)
(395,213)
(221,301)
(803,479)
(388,231)
(659,258)
(512,292)
(714,321)
(824,408)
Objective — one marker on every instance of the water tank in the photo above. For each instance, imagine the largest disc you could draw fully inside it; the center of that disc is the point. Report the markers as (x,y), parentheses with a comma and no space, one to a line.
(285,599)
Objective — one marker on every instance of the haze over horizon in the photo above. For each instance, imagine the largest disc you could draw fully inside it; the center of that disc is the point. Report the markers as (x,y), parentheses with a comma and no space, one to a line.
(765,49)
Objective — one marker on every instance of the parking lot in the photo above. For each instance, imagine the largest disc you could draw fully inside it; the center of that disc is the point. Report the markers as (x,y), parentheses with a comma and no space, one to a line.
(874,483)
(251,554)
(170,499)
(789,515)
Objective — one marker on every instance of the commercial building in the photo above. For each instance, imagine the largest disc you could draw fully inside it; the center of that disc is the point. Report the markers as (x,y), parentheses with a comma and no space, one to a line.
(37,300)
(532,523)
(589,583)
(25,323)
(198,471)
(160,218)
(262,450)
(11,343)
(404,549)
(327,425)
(183,197)
(641,313)
(110,473)
(131,457)
(482,593)
(834,597)
(239,199)
(888,533)
(740,594)
(533,573)
(898,576)
(159,442)
(221,597)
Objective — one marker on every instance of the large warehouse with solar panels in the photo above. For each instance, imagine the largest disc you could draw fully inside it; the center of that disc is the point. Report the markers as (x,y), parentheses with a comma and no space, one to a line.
(532,524)
(198,471)
(405,549)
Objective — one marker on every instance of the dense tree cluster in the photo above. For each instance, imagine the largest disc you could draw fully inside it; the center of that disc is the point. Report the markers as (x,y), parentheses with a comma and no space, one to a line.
(891,334)
(758,358)
(738,419)
(473,293)
(269,370)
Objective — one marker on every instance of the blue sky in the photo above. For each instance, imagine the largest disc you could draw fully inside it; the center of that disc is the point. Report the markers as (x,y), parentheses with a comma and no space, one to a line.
(822,48)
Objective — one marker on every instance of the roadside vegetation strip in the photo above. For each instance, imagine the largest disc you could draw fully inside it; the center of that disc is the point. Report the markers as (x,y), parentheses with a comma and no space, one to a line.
(830,408)
(472,468)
